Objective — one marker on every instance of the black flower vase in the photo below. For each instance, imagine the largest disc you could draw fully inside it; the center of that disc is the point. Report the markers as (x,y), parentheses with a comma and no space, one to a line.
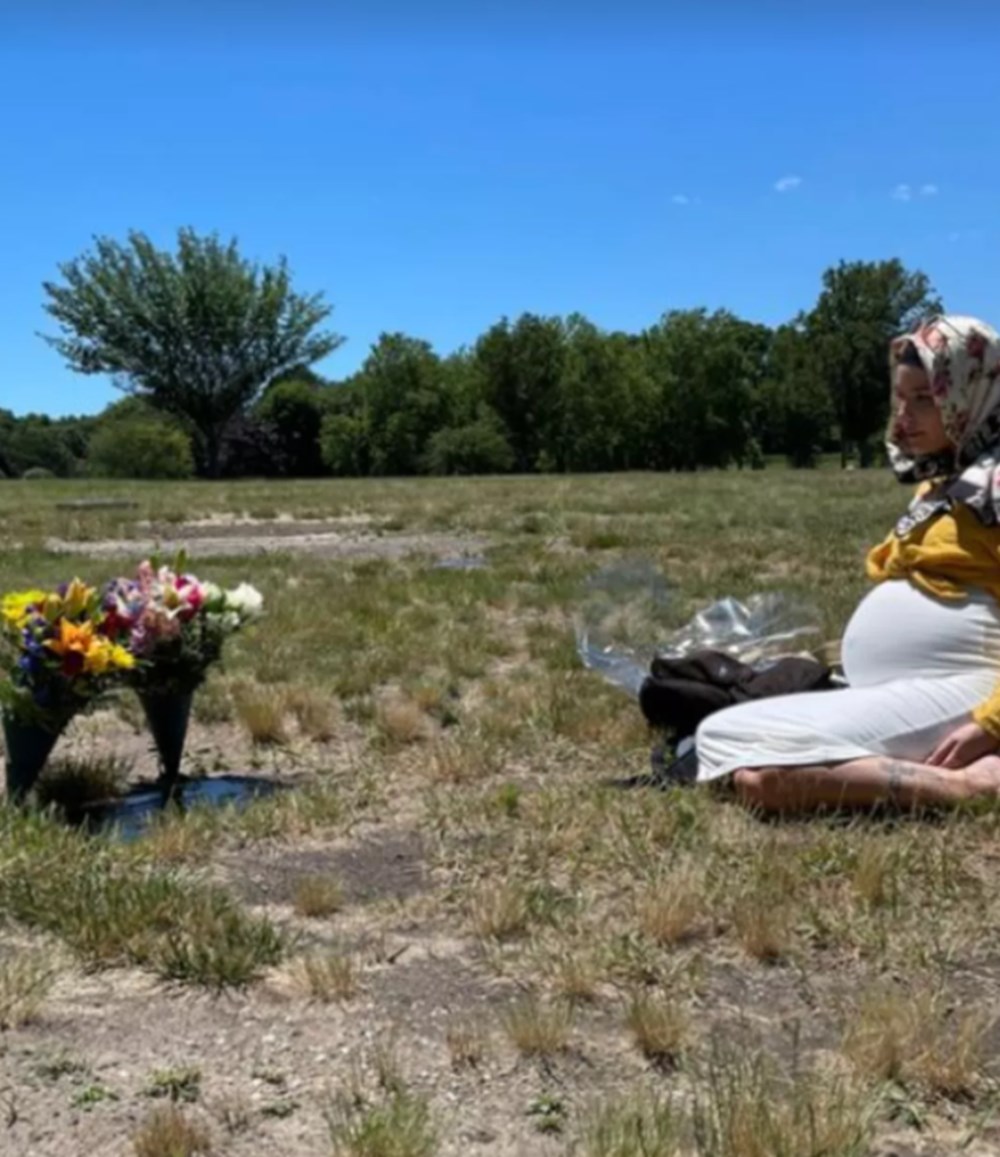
(167,714)
(29,746)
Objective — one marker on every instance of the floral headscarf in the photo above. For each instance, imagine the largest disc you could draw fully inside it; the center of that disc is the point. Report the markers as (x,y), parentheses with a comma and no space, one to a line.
(961,356)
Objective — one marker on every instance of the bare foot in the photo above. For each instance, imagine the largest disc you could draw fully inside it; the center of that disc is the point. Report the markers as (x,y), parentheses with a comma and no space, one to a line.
(982,776)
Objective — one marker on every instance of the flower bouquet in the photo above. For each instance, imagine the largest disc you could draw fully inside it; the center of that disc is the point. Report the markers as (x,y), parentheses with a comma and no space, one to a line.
(60,651)
(176,626)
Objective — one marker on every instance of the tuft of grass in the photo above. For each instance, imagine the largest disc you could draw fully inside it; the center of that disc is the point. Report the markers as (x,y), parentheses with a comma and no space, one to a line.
(466,758)
(539,1029)
(913,1039)
(670,911)
(179,1084)
(317,713)
(72,782)
(576,977)
(261,710)
(167,1132)
(876,877)
(112,911)
(643,1125)
(659,1026)
(26,977)
(325,976)
(61,1064)
(214,702)
(468,1042)
(398,1126)
(401,720)
(744,1107)
(500,911)
(763,908)
(317,896)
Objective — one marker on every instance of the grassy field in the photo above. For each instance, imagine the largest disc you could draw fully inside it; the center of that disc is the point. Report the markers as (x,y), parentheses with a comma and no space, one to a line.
(453,936)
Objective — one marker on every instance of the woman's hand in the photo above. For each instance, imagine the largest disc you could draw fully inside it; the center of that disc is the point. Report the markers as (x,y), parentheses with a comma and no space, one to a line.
(963,746)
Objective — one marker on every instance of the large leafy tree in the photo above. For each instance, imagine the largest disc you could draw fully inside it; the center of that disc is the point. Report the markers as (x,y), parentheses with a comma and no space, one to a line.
(862,305)
(293,411)
(199,332)
(708,368)
(520,367)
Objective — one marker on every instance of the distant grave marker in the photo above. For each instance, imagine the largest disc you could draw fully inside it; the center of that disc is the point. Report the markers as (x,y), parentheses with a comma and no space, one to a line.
(97,504)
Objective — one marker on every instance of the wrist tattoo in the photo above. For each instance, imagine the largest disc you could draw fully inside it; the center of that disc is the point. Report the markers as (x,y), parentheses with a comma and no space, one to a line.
(897,771)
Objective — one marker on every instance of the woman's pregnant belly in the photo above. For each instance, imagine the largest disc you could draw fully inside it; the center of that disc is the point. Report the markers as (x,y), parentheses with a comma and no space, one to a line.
(898,632)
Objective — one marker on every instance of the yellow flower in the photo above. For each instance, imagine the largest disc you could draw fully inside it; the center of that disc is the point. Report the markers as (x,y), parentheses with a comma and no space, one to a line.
(74,642)
(77,598)
(97,658)
(121,658)
(15,607)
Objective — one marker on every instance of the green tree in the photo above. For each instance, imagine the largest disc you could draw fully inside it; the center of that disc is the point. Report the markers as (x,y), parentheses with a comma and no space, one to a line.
(519,368)
(796,414)
(478,447)
(862,305)
(403,401)
(607,406)
(36,442)
(294,412)
(708,369)
(199,333)
(140,448)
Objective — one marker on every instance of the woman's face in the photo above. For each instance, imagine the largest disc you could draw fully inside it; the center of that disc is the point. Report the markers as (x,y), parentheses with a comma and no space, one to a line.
(918,420)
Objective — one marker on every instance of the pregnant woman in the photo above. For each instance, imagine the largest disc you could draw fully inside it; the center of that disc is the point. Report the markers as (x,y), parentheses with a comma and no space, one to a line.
(920,721)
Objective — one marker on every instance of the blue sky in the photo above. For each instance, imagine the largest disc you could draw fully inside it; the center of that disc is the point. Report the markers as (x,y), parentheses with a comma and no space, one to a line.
(431,169)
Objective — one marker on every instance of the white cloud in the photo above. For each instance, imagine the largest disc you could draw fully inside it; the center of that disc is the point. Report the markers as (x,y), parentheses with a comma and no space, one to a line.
(902,193)
(679,199)
(928,190)
(787,184)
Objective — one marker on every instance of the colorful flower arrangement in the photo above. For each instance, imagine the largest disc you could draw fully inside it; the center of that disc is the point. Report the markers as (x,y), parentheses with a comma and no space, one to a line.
(158,631)
(62,650)
(175,624)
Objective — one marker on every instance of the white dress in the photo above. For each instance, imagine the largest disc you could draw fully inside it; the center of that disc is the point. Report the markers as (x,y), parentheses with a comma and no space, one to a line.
(916,666)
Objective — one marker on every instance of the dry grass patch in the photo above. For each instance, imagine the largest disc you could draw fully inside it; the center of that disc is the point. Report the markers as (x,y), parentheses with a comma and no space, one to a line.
(465,758)
(72,781)
(260,708)
(468,1042)
(660,1027)
(398,1125)
(317,896)
(643,1125)
(576,976)
(915,1038)
(26,977)
(766,904)
(167,1132)
(318,714)
(325,976)
(539,1028)
(673,908)
(400,720)
(743,1106)
(500,911)
(179,1084)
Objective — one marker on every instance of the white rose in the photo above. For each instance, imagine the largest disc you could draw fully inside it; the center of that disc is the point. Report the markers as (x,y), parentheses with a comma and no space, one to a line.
(245,600)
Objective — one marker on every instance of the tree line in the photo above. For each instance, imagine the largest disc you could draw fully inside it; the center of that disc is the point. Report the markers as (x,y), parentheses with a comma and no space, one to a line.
(215,356)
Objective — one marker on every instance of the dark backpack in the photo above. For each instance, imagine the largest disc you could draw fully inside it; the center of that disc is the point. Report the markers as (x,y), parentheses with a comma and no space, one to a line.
(678,694)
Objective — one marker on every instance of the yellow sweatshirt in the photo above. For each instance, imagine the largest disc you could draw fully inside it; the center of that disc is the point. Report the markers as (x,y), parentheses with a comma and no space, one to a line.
(944,557)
